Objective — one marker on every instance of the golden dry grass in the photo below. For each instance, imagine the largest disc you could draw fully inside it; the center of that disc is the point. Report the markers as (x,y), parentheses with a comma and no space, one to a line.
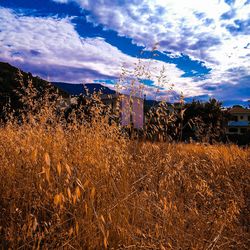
(88,187)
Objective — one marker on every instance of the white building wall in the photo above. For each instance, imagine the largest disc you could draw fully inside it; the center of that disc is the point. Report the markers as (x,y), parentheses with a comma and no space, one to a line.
(132,111)
(125,110)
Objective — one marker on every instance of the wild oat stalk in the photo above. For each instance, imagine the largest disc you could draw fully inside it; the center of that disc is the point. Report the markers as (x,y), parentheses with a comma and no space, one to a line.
(77,182)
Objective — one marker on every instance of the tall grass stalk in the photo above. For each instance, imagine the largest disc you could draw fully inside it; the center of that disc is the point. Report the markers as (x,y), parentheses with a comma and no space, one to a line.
(84,185)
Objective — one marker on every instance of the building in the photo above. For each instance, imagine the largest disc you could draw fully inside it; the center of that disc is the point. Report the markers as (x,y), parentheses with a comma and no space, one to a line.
(239,122)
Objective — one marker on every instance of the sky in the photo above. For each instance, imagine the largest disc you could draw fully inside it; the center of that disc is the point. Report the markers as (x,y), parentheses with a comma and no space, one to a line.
(164,48)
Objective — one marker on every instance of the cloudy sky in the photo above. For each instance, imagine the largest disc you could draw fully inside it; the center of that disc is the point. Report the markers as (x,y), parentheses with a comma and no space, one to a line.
(202,47)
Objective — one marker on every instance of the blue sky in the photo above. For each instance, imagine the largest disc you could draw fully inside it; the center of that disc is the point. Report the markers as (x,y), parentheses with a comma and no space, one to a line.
(202,47)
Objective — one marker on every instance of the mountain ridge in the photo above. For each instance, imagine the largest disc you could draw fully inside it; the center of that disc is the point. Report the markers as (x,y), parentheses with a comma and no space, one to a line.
(78,88)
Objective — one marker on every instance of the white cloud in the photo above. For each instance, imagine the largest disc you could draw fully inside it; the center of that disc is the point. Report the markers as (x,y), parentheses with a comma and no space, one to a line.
(195,27)
(56,43)
(52,45)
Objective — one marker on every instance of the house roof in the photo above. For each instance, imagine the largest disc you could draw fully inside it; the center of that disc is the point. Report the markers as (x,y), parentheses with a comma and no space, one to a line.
(239,110)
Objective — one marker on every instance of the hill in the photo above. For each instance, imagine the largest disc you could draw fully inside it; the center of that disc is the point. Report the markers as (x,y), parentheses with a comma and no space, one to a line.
(78,89)
(13,81)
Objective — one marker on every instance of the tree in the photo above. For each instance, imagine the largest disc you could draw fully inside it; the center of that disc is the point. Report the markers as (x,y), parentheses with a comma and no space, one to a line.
(204,121)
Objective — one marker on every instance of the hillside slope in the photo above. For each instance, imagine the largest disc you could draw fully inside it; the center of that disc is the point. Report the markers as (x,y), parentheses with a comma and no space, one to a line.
(78,89)
(11,81)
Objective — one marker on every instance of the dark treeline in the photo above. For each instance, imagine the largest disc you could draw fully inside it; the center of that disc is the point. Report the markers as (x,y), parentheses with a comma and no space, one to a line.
(196,121)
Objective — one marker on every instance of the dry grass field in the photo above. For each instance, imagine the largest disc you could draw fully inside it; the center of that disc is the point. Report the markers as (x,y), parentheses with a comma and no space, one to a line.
(89,187)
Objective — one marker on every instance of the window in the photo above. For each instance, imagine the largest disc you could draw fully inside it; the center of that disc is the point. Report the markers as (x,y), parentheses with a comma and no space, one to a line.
(241,117)
(249,118)
(243,130)
(235,118)
(233,130)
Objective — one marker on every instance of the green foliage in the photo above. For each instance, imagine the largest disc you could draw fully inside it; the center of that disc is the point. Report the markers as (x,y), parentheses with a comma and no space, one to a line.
(198,121)
(206,121)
